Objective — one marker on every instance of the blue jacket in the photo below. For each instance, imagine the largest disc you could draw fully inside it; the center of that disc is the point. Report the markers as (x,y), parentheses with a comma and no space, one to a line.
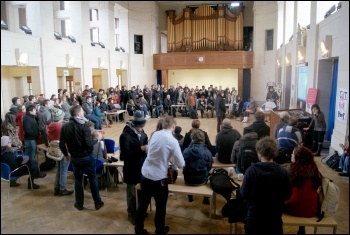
(198,161)
(289,137)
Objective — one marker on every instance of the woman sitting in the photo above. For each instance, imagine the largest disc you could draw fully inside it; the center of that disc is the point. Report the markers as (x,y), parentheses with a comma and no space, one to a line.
(305,179)
(251,108)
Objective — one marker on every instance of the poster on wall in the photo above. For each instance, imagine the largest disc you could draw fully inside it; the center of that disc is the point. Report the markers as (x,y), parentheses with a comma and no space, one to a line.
(342,104)
(311,98)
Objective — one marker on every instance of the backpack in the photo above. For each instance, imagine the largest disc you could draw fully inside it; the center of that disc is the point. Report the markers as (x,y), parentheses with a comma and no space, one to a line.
(332,161)
(329,198)
(47,165)
(222,183)
(54,152)
(246,156)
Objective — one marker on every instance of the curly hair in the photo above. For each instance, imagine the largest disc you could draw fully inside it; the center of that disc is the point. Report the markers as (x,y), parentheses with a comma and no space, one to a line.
(267,147)
(304,168)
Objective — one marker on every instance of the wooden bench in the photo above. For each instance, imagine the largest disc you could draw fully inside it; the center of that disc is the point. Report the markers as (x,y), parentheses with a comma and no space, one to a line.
(289,220)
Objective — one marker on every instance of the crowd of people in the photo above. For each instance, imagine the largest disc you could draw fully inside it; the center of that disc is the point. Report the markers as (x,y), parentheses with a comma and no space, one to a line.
(76,119)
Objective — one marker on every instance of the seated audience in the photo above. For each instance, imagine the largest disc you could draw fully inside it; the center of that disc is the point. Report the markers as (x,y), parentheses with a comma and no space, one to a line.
(210,105)
(187,139)
(284,117)
(266,185)
(9,128)
(249,140)
(198,162)
(237,108)
(343,168)
(201,105)
(289,137)
(225,140)
(305,179)
(89,114)
(259,126)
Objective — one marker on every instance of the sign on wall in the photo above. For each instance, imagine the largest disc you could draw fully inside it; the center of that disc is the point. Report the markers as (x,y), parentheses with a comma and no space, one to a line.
(342,104)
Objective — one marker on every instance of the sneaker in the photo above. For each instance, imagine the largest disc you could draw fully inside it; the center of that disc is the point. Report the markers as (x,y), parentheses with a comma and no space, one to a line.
(344,174)
(65,192)
(99,205)
(56,191)
(42,175)
(80,208)
(338,170)
(165,230)
(35,186)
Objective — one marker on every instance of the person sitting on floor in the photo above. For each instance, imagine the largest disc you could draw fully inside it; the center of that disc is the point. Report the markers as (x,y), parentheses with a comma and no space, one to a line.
(343,168)
(198,162)
(251,108)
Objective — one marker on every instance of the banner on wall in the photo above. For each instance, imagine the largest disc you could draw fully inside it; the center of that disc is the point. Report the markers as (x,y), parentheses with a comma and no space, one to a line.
(342,104)
(311,98)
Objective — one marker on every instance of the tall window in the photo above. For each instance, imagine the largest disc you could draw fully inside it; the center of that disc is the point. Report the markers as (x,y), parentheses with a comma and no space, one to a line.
(94,34)
(269,39)
(116,31)
(116,23)
(3,11)
(64,5)
(93,14)
(117,40)
(22,14)
(29,81)
(65,27)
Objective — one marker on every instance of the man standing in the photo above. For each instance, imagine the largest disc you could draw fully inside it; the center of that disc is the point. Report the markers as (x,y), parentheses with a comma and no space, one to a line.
(31,133)
(133,146)
(76,143)
(154,182)
(220,110)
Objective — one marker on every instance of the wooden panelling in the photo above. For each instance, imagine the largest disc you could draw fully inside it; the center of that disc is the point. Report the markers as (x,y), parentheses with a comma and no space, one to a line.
(211,60)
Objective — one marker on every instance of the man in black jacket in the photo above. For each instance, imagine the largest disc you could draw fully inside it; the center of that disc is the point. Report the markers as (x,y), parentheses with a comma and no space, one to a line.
(76,143)
(133,145)
(220,109)
(259,126)
(31,133)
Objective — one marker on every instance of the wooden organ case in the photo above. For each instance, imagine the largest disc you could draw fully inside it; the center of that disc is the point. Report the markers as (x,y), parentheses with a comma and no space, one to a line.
(205,29)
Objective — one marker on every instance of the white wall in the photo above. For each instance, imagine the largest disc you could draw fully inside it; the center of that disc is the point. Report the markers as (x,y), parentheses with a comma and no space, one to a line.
(206,77)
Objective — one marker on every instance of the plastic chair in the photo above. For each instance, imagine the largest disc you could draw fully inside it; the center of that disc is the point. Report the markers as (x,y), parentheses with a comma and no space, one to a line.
(110,146)
(6,175)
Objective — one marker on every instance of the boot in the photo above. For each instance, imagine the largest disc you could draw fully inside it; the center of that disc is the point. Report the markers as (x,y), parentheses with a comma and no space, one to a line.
(319,149)
(56,191)
(314,146)
(245,119)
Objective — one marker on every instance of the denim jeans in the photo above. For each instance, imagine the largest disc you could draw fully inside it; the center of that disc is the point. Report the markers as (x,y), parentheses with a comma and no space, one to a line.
(61,174)
(96,120)
(85,165)
(158,110)
(159,190)
(344,163)
(30,147)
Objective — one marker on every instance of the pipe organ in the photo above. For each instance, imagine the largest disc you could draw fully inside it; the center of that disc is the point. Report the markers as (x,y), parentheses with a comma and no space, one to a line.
(205,29)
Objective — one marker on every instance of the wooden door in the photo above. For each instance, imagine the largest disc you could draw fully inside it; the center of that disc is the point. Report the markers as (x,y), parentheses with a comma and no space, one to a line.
(96,82)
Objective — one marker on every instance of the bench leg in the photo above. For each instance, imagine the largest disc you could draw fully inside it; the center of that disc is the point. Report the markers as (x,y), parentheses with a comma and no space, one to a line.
(315,230)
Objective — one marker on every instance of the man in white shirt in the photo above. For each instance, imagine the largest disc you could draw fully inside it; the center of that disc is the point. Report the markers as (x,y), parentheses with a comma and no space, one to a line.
(162,148)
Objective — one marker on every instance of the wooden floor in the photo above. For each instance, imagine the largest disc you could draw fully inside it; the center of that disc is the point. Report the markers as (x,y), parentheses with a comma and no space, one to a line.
(39,212)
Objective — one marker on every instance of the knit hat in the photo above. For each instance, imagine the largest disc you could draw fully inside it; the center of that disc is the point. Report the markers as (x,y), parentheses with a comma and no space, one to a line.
(4,140)
(139,119)
(177,132)
(57,114)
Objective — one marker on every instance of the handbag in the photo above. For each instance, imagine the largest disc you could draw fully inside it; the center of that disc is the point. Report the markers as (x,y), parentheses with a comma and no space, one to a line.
(172,174)
(53,151)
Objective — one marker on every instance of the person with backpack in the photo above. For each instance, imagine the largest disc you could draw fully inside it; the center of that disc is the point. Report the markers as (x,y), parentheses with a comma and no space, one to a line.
(53,132)
(266,185)
(243,152)
(305,179)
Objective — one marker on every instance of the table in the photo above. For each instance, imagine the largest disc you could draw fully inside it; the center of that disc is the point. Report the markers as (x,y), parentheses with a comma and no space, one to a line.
(113,164)
(123,111)
(181,188)
(217,164)
(176,106)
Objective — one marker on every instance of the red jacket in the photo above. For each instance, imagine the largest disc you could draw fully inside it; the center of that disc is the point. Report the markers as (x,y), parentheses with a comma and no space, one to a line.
(303,202)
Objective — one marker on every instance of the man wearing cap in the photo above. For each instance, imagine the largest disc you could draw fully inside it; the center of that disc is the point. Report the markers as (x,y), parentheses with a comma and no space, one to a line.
(53,132)
(133,151)
(9,157)
(76,144)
